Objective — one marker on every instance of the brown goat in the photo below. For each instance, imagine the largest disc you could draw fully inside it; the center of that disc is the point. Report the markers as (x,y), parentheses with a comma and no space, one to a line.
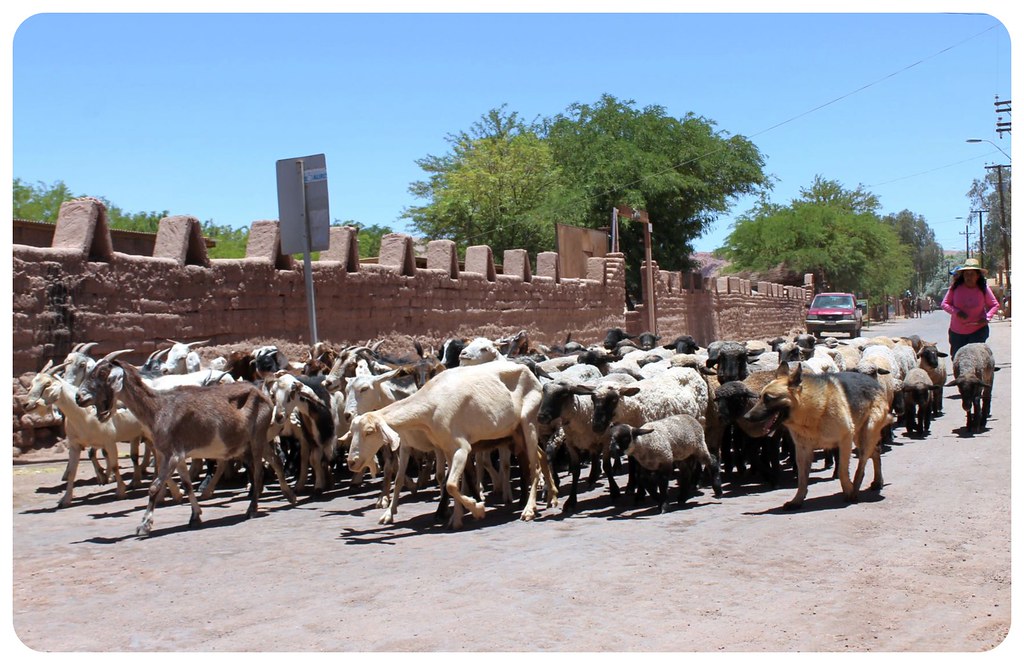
(222,421)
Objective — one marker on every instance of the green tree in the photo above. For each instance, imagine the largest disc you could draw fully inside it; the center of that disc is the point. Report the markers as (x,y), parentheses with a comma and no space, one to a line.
(42,203)
(231,243)
(926,253)
(830,232)
(984,194)
(369,237)
(489,189)
(682,171)
(506,182)
(39,203)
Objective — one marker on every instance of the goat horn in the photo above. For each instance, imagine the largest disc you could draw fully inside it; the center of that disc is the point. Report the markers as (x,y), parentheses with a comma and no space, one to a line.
(191,344)
(377,345)
(85,347)
(114,354)
(46,368)
(53,370)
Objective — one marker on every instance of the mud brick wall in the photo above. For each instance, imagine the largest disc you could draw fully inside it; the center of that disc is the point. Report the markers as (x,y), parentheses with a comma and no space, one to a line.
(81,290)
(724,308)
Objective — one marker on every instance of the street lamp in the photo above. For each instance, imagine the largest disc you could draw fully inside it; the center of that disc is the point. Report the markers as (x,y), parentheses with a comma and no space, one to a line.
(987,141)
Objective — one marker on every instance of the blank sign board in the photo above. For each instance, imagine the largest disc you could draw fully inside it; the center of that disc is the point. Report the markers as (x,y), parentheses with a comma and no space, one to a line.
(302,193)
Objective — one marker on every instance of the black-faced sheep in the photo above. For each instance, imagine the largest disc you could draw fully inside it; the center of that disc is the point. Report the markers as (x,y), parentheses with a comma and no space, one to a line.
(918,395)
(973,369)
(661,446)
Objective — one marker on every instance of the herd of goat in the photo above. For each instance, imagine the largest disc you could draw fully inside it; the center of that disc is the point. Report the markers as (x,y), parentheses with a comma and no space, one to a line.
(474,413)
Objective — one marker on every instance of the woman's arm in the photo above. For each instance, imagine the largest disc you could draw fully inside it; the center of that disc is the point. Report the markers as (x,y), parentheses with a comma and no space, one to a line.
(991,304)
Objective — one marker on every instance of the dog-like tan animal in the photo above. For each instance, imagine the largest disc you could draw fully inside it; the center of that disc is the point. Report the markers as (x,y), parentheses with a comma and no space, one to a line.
(822,412)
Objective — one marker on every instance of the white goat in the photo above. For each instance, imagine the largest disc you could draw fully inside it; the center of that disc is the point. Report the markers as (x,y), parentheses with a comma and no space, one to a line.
(83,429)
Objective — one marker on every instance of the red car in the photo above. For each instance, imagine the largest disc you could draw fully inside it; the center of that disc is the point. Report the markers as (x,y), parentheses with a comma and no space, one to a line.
(834,312)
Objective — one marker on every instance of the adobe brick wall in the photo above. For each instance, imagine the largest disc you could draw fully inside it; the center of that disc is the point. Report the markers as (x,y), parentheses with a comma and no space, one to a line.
(81,290)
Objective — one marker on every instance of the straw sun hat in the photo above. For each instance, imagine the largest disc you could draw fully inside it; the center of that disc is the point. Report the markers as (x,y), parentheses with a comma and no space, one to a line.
(971,264)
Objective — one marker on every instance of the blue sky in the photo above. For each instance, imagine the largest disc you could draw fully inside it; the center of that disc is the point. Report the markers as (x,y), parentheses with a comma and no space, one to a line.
(189,113)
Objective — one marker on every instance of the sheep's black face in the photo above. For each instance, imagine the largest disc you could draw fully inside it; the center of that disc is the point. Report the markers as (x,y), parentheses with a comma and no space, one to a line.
(605,403)
(930,356)
(98,389)
(970,395)
(733,400)
(553,397)
(620,440)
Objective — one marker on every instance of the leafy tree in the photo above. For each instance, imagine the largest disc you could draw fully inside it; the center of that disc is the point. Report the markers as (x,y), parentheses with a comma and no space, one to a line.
(489,188)
(506,182)
(369,237)
(39,203)
(42,203)
(231,243)
(984,195)
(926,253)
(830,232)
(680,170)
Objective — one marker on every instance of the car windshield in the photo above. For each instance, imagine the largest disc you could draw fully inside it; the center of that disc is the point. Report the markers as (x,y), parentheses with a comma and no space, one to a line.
(822,302)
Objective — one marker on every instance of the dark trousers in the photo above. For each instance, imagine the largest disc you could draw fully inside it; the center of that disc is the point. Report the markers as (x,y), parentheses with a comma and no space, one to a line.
(956,340)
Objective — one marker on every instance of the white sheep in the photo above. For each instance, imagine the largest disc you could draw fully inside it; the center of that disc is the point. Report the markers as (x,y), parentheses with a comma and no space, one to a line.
(674,391)
(662,445)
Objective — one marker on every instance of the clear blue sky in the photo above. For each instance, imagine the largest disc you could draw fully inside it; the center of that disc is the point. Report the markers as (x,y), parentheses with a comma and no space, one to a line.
(189,113)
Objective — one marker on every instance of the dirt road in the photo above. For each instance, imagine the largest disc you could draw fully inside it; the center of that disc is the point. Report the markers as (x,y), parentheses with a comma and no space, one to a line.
(922,565)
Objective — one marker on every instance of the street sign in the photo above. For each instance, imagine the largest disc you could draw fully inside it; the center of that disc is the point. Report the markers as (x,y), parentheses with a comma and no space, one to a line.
(304,217)
(302,204)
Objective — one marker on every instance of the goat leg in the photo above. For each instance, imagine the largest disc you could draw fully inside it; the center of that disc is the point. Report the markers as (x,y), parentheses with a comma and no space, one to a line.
(74,454)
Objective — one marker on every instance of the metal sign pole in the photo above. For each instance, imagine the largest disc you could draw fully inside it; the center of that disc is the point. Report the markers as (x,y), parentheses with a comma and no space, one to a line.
(306,260)
(615,230)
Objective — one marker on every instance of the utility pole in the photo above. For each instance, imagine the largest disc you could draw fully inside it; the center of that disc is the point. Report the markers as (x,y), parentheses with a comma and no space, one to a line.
(1002,221)
(1002,107)
(981,237)
(967,232)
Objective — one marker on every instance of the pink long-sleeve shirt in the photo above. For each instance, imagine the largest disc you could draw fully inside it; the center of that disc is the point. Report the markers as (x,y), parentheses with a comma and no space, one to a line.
(980,306)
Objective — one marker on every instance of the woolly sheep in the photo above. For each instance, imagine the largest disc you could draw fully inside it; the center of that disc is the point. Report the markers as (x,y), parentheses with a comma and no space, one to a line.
(664,444)
(973,370)
(930,359)
(918,393)
(674,391)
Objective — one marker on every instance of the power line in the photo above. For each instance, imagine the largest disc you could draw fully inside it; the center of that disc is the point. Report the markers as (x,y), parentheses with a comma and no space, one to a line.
(816,108)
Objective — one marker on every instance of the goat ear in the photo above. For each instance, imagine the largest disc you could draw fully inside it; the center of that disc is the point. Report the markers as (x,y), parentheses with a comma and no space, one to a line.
(943,355)
(951,383)
(390,436)
(116,379)
(628,391)
(640,431)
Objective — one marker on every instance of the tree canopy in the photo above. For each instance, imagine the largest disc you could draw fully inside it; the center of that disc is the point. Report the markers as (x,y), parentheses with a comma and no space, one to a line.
(506,182)
(830,232)
(984,194)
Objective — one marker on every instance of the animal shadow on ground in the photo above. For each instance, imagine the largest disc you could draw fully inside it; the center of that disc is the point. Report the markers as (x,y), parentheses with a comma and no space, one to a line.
(833,501)
(418,525)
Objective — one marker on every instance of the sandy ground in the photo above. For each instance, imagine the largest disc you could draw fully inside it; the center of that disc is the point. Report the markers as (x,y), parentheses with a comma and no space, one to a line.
(921,566)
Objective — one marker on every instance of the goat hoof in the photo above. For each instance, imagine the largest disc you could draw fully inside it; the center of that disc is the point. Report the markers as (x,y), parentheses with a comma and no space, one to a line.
(63,503)
(792,505)
(386,518)
(876,485)
(143,529)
